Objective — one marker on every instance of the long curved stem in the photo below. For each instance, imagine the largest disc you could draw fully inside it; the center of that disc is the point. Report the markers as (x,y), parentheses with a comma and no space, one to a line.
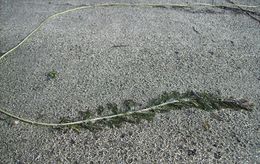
(119,5)
(88,120)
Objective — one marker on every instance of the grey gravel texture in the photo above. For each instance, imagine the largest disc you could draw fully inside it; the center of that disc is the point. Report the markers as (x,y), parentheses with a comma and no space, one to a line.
(163,50)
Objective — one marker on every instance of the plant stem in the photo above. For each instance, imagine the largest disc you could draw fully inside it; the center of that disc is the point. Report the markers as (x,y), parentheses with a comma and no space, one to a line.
(234,6)
(89,120)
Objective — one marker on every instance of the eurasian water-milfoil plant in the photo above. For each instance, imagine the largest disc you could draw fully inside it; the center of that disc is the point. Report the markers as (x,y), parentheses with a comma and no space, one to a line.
(130,111)
(164,103)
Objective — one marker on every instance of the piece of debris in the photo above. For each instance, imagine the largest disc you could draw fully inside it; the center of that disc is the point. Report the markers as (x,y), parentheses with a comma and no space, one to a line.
(195,30)
(206,125)
(119,45)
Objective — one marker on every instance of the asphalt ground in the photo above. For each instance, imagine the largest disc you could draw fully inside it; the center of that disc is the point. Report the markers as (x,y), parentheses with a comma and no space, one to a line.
(111,54)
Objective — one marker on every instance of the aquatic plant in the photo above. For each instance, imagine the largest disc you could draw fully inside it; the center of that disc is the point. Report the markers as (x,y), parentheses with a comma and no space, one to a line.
(131,111)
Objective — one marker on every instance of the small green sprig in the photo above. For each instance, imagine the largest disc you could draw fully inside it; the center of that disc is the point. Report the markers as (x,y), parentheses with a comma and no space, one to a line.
(52,74)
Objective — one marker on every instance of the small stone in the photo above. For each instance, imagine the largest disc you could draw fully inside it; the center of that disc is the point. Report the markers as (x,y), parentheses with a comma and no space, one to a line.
(217,155)
(123,135)
(192,152)
(211,52)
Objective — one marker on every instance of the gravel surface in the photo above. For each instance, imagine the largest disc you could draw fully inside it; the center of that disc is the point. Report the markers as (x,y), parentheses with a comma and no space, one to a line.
(106,55)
